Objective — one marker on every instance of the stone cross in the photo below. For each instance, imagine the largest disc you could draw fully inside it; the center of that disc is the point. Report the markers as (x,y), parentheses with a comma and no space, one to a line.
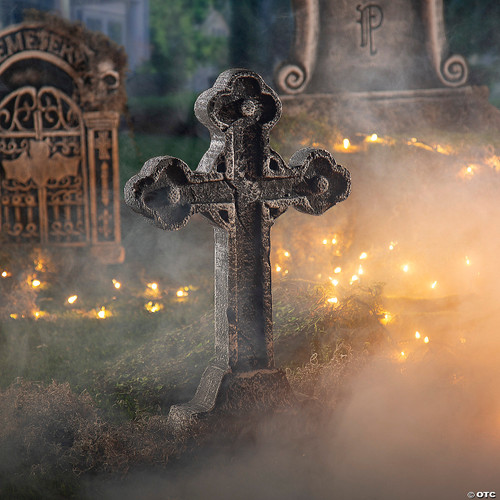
(241,185)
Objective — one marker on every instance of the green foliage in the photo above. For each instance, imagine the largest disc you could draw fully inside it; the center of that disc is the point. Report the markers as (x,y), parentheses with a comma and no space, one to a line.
(472,31)
(135,150)
(473,26)
(179,41)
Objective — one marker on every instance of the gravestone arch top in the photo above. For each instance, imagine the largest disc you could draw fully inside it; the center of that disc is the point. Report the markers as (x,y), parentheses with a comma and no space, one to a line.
(61,94)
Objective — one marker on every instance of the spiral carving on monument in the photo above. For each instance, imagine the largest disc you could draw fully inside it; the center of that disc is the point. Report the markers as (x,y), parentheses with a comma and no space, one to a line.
(454,71)
(291,78)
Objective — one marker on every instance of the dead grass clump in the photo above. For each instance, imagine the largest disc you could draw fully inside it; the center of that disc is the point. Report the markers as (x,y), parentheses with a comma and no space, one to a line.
(49,436)
(328,382)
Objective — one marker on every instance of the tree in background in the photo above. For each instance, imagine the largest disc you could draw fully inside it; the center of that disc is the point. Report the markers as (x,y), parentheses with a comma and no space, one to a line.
(473,31)
(261,34)
(180,43)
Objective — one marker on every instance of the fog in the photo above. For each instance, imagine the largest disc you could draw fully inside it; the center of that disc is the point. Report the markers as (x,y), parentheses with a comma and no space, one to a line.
(425,424)
(419,417)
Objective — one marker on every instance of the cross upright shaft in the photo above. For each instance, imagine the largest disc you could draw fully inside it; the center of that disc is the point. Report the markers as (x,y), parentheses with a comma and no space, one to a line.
(241,185)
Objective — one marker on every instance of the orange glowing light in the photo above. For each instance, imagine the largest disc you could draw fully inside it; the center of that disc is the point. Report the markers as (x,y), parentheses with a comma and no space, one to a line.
(417,335)
(153,307)
(116,284)
(468,171)
(72,299)
(346,143)
(153,286)
(36,283)
(444,150)
(325,241)
(402,353)
(40,265)
(373,137)
(463,340)
(334,241)
(426,340)
(405,268)
(333,300)
(13,316)
(434,284)
(392,245)
(386,318)
(354,278)
(5,274)
(181,293)
(333,281)
(37,314)
(102,313)
(278,268)
(493,162)
(286,253)
(364,255)
(361,270)
(467,261)
(337,270)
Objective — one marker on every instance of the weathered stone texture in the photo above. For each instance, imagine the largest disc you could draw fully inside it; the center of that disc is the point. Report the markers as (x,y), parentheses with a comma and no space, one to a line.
(241,186)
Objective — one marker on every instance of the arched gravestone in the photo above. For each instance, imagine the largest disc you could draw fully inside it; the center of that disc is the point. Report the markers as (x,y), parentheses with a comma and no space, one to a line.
(379,65)
(61,92)
(381,45)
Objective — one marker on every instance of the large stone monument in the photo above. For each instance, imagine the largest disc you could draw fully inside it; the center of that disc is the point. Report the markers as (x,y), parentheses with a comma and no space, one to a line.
(384,63)
(61,92)
(241,186)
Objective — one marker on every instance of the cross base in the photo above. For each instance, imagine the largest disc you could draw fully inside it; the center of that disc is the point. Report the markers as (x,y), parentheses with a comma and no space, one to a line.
(233,394)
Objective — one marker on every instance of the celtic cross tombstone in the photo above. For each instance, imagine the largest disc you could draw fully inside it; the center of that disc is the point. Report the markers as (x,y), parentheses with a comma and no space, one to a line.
(241,186)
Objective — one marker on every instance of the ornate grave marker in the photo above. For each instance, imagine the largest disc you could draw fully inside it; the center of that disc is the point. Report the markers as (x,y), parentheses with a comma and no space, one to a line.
(382,45)
(241,186)
(378,65)
(61,94)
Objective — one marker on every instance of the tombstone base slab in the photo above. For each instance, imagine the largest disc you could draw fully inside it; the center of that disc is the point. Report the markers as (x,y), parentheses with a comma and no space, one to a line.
(406,111)
(258,391)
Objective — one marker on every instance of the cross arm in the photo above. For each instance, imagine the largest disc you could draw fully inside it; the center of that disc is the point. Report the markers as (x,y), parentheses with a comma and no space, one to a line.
(168,192)
(312,183)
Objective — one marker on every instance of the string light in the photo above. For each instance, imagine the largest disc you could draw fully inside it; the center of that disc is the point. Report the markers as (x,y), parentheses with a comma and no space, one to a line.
(153,307)
(72,299)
